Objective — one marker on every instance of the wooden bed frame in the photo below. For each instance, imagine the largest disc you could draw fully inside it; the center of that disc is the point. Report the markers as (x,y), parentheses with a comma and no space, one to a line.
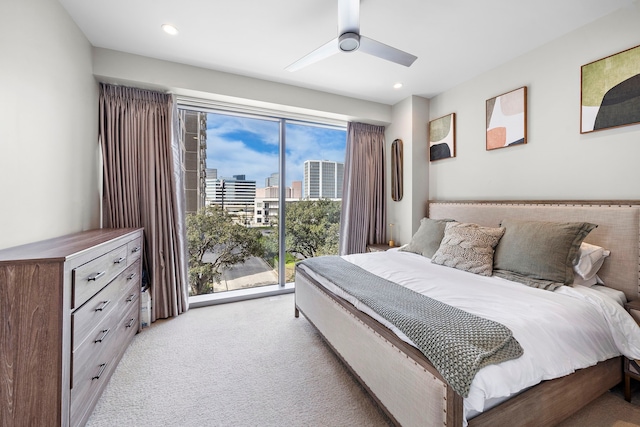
(405,384)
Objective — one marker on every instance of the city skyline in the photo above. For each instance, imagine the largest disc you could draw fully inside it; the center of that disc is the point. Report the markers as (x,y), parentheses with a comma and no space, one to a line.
(250,146)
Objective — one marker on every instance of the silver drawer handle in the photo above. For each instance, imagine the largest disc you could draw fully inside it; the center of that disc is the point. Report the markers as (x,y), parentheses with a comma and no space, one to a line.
(119,260)
(104,335)
(130,324)
(103,305)
(96,276)
(136,249)
(131,276)
(131,297)
(100,372)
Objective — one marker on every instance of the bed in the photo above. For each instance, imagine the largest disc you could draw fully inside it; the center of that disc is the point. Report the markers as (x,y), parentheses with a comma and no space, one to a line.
(412,391)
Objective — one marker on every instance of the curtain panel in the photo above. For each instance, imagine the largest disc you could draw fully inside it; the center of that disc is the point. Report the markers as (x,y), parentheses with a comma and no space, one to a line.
(363,218)
(142,186)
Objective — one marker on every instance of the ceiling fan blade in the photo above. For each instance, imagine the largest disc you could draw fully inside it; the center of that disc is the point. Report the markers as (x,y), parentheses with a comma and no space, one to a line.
(384,51)
(324,51)
(348,16)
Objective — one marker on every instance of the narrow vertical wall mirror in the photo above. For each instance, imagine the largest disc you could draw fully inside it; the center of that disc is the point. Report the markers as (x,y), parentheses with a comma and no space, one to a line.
(396,170)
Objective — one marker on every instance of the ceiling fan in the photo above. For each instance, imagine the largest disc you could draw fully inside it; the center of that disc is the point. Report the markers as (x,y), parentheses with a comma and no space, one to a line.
(349,40)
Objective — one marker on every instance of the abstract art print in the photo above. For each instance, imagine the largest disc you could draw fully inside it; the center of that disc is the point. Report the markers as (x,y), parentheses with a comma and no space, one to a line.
(442,137)
(507,119)
(610,91)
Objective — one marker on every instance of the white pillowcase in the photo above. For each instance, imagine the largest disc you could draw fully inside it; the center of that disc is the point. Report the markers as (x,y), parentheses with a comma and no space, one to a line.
(590,259)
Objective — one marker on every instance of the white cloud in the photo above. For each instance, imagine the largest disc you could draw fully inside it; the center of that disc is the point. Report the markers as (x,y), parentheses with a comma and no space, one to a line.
(232,157)
(257,156)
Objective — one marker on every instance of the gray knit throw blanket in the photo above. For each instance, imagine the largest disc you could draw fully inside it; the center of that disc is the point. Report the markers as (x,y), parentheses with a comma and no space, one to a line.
(457,343)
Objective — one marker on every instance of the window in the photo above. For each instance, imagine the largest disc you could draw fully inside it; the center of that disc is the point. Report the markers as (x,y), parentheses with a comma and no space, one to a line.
(246,160)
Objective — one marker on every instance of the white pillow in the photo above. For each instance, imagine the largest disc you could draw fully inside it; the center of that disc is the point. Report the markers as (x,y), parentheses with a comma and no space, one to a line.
(577,280)
(589,260)
(618,296)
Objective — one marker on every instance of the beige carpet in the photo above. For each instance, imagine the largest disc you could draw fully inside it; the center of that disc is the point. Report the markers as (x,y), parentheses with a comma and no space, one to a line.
(609,410)
(248,363)
(252,363)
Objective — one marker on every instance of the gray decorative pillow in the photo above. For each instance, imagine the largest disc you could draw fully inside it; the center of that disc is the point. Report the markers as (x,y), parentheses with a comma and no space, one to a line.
(468,247)
(427,239)
(541,249)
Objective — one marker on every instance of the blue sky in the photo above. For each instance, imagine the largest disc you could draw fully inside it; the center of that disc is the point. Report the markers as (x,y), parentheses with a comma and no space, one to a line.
(247,146)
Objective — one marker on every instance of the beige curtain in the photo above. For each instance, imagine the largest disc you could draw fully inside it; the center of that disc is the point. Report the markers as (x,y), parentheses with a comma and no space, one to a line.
(142,186)
(363,217)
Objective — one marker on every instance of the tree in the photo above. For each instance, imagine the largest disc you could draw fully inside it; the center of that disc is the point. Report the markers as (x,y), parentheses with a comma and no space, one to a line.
(213,233)
(312,227)
(270,247)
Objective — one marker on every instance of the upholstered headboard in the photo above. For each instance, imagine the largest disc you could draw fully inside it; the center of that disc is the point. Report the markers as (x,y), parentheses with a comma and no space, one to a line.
(618,228)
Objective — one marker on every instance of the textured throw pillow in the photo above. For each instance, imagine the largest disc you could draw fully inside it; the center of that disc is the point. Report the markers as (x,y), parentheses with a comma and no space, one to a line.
(468,247)
(541,249)
(427,239)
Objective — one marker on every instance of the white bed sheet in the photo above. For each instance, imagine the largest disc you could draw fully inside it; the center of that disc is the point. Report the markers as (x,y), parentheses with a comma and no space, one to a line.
(560,332)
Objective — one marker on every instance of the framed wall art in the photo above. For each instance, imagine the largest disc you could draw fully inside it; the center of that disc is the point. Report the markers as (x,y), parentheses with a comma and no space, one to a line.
(442,137)
(507,119)
(610,91)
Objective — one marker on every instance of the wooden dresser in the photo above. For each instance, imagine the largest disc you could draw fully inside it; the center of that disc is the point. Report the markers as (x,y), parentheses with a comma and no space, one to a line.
(69,308)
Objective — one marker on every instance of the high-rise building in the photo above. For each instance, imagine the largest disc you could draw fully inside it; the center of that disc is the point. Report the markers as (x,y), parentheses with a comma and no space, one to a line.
(212,176)
(236,195)
(273,180)
(194,158)
(323,179)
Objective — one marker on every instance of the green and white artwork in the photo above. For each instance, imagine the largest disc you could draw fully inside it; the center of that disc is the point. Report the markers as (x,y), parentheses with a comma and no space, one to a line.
(610,95)
(442,137)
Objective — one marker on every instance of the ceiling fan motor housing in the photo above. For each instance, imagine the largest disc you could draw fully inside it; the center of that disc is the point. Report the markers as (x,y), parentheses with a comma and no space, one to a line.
(349,42)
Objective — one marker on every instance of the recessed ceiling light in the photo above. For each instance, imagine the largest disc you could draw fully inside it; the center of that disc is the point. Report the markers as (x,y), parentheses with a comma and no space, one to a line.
(397,85)
(169,29)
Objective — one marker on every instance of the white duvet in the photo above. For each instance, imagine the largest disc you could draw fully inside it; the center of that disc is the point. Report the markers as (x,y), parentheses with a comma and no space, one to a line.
(560,332)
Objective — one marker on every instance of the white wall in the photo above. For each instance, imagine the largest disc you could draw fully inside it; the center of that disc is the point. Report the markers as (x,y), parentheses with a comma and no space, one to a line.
(118,67)
(409,123)
(49,170)
(557,162)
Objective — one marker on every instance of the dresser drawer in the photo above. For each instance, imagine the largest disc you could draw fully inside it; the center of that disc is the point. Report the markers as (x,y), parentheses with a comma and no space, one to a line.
(127,328)
(130,276)
(92,365)
(134,250)
(89,386)
(129,293)
(88,317)
(113,296)
(96,349)
(94,275)
(94,362)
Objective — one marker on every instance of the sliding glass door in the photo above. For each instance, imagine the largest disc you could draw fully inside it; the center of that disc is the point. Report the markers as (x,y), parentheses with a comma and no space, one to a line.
(261,194)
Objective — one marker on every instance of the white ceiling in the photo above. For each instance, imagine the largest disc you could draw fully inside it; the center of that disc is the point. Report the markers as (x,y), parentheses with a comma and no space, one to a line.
(454,40)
